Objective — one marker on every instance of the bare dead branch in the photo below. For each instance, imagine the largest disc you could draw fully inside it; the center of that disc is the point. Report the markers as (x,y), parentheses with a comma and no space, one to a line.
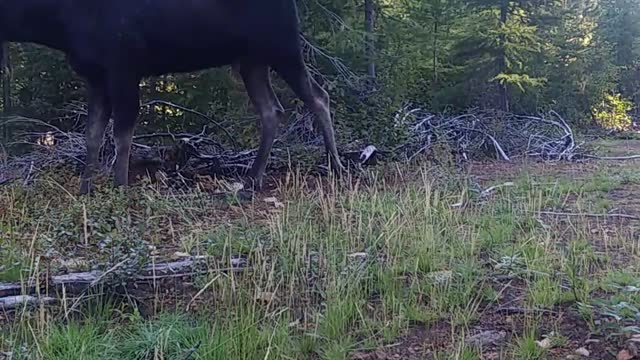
(195,112)
(491,189)
(615,158)
(474,132)
(14,302)
(606,215)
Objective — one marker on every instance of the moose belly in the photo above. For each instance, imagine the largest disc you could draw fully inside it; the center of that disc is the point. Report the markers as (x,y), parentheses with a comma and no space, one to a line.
(183,60)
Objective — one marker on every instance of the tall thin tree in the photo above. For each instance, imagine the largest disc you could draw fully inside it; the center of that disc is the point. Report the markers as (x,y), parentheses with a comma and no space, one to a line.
(370,48)
(5,66)
(502,58)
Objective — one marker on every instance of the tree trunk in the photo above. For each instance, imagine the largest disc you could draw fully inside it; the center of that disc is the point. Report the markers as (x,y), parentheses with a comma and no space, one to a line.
(502,61)
(5,66)
(435,51)
(370,48)
(626,50)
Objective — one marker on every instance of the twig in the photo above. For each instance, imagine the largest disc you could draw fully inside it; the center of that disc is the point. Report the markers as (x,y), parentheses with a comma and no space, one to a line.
(491,189)
(22,119)
(112,269)
(554,213)
(201,291)
(195,112)
(496,145)
(519,310)
(630,157)
(342,69)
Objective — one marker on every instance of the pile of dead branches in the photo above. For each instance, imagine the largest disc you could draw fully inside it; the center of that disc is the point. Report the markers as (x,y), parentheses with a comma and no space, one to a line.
(478,134)
(181,155)
(473,135)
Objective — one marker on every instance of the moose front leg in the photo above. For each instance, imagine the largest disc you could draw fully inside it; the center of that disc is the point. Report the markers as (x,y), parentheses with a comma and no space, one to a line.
(98,117)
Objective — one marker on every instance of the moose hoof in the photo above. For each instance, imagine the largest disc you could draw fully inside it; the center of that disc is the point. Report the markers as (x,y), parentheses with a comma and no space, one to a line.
(337,169)
(252,183)
(85,188)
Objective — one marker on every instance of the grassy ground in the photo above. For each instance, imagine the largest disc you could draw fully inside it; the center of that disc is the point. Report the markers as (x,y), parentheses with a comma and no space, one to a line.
(401,264)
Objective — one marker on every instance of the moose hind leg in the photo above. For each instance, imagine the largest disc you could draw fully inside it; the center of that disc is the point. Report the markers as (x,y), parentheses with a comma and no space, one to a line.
(258,85)
(98,117)
(317,99)
(126,103)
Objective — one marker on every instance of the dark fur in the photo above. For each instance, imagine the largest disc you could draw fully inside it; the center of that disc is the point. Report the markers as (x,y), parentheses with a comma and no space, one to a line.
(114,44)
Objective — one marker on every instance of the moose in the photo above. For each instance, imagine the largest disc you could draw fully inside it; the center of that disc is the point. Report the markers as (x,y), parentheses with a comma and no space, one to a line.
(114,44)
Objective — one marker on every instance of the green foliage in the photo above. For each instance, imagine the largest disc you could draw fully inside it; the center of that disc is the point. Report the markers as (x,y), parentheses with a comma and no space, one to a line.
(527,348)
(613,113)
(12,264)
(520,81)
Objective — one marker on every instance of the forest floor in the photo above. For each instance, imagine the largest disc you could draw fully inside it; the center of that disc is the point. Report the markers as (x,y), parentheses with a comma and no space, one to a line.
(411,263)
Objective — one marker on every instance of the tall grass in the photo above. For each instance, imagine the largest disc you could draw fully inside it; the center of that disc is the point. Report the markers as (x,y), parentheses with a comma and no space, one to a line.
(342,268)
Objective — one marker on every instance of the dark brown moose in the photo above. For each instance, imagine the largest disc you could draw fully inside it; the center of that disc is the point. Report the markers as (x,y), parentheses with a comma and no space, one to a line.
(114,44)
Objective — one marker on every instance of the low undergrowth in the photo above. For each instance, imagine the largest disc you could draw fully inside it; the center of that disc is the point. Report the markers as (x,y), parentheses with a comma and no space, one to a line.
(336,269)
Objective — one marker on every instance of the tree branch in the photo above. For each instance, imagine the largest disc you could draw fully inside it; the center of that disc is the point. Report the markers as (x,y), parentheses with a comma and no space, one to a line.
(195,112)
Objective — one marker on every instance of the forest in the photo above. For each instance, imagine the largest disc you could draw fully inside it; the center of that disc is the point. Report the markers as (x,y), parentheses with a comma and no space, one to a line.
(489,209)
(578,58)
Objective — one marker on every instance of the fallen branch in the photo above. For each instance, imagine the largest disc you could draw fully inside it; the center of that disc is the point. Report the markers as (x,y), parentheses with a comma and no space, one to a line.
(14,302)
(630,157)
(84,280)
(554,213)
(520,310)
(491,189)
(195,112)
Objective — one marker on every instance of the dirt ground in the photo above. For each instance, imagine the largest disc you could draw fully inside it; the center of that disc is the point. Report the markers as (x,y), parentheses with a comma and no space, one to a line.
(501,322)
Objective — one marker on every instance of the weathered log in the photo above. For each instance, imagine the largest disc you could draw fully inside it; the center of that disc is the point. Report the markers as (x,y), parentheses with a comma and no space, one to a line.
(10,289)
(77,282)
(13,302)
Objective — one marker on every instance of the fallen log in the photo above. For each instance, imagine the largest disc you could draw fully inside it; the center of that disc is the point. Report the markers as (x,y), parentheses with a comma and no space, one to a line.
(80,281)
(14,302)
(10,289)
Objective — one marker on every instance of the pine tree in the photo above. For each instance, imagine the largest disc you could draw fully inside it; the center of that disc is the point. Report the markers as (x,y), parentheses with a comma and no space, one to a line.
(496,46)
(620,27)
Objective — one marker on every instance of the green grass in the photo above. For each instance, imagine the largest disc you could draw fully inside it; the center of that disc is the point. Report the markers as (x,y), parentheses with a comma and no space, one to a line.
(12,263)
(342,268)
(526,348)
